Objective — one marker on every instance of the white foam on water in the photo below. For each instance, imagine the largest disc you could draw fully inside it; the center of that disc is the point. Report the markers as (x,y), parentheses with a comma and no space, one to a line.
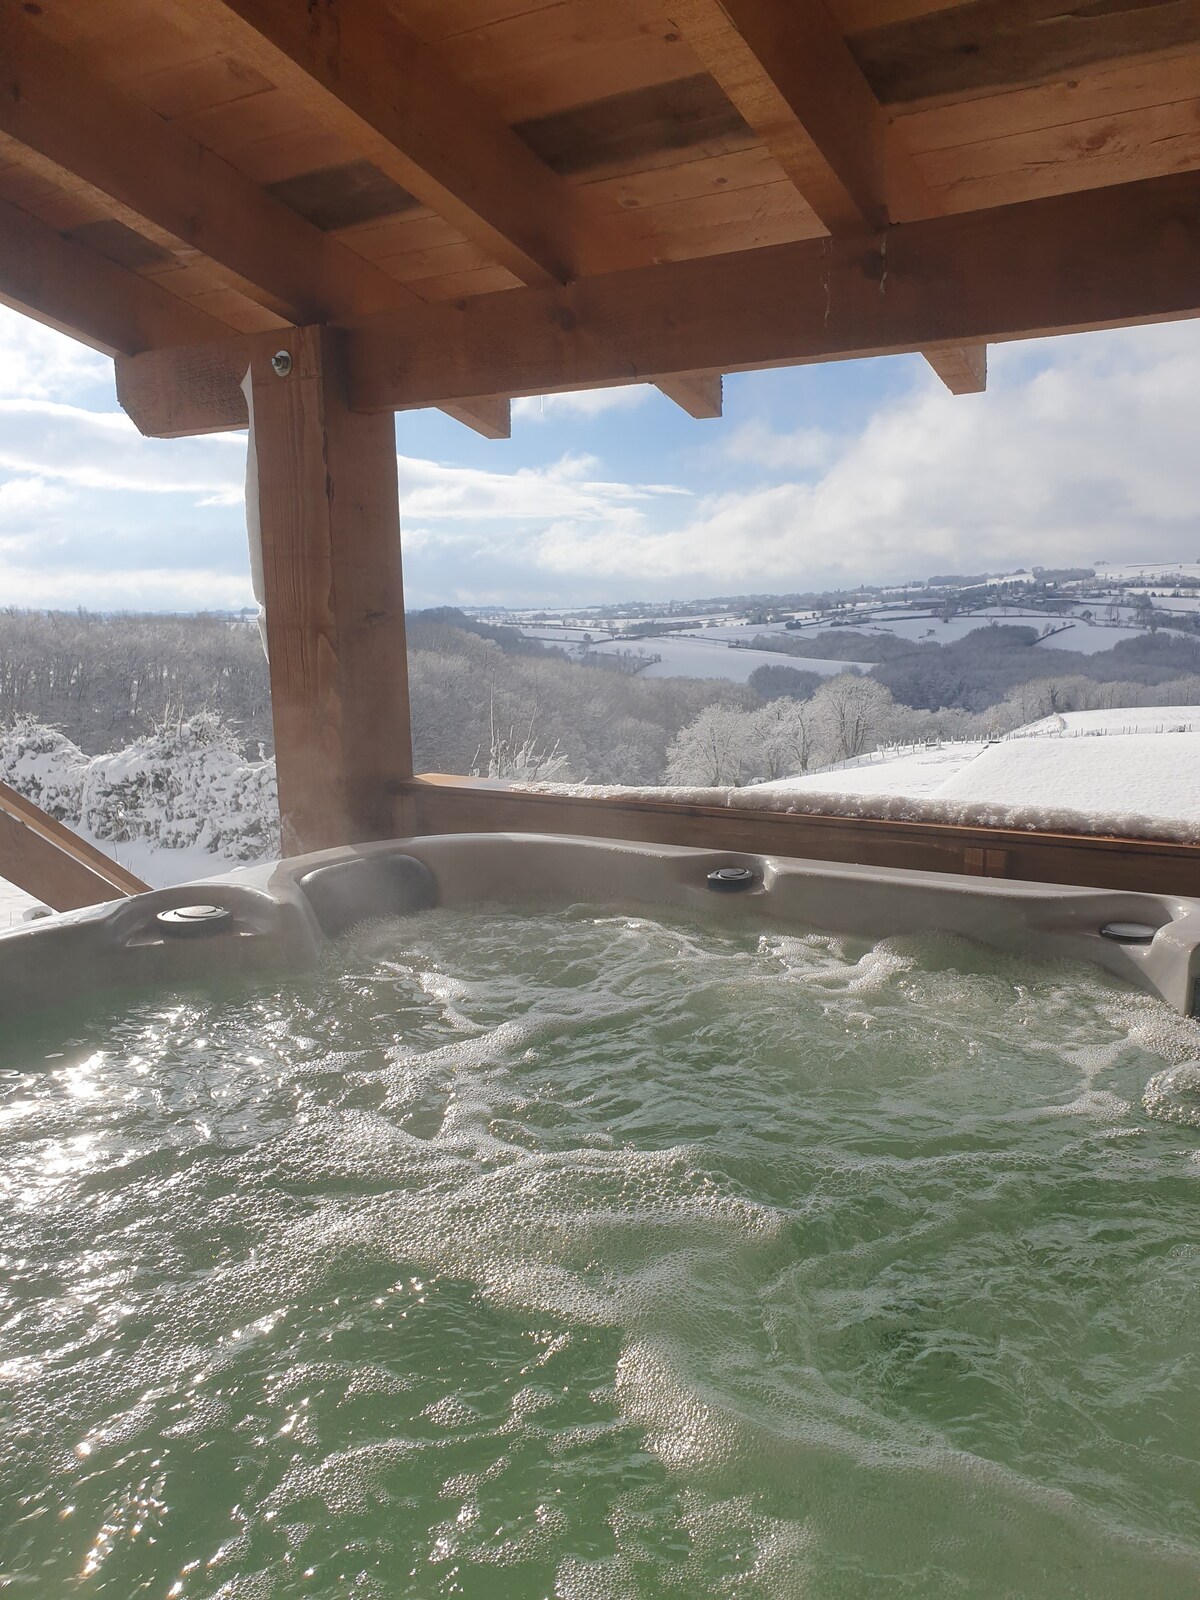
(1174,1095)
(779,1286)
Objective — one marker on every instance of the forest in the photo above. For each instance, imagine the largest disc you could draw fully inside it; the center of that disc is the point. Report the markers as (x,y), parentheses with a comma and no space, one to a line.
(486,701)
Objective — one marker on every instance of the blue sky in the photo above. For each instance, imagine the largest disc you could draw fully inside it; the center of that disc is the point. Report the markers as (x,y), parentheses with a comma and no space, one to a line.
(1083,449)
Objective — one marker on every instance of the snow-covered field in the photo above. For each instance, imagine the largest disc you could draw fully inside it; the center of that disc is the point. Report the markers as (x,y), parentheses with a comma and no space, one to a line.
(1125,770)
(1131,772)
(704,658)
(1131,571)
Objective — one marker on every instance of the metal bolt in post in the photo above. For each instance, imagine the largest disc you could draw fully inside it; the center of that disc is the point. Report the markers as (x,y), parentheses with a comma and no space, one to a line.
(281,363)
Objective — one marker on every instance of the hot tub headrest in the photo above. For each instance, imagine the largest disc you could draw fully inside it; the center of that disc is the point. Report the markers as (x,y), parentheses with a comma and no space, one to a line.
(346,892)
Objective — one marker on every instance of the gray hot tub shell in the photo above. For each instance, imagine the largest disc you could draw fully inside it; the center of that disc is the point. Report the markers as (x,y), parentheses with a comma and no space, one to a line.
(280,913)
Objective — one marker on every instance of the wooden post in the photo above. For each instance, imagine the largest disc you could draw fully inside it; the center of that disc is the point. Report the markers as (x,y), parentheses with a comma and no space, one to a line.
(332,588)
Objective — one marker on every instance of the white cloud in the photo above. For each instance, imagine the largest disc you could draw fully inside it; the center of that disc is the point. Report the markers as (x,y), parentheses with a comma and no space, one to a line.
(580,403)
(436,491)
(799,451)
(39,364)
(24,500)
(103,450)
(140,589)
(1081,447)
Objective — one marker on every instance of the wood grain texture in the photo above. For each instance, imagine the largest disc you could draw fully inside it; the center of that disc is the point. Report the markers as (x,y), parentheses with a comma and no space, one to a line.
(963,369)
(1104,258)
(624,130)
(356,68)
(699,394)
(334,599)
(990,44)
(47,860)
(791,75)
(57,108)
(453,805)
(358,71)
(63,284)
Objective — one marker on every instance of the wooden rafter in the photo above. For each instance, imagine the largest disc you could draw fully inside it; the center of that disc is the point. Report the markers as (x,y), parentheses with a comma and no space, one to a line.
(155,174)
(69,287)
(370,79)
(789,72)
(1102,258)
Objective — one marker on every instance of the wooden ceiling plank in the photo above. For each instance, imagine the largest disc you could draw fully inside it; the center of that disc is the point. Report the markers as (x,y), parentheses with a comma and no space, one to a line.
(538,62)
(1115,257)
(355,67)
(626,131)
(857,16)
(1147,143)
(153,170)
(63,284)
(120,147)
(1101,92)
(363,75)
(978,48)
(790,73)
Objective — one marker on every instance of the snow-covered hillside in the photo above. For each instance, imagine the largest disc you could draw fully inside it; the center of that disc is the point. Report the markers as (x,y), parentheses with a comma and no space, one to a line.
(182,803)
(1132,771)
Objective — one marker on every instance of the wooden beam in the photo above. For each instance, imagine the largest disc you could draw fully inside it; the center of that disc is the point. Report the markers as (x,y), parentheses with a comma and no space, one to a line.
(73,289)
(156,174)
(43,857)
(1100,258)
(55,106)
(176,394)
(333,594)
(700,394)
(455,805)
(789,72)
(492,417)
(173,394)
(361,73)
(962,369)
(366,77)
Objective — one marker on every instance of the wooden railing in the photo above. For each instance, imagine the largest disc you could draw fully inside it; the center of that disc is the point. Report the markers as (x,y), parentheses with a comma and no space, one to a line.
(437,804)
(47,860)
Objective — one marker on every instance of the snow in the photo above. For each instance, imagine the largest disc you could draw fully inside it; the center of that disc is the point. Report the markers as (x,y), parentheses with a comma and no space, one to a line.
(1127,571)
(1144,775)
(686,657)
(1116,719)
(1127,771)
(917,770)
(180,804)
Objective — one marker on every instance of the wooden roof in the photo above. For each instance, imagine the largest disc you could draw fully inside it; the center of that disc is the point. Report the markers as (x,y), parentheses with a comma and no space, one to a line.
(190,173)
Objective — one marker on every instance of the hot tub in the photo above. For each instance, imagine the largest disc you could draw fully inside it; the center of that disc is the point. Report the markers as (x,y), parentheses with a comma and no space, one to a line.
(503,1216)
(280,914)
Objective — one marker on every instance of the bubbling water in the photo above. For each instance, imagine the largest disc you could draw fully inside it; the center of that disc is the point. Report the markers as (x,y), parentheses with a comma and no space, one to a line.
(578,1255)
(1174,1095)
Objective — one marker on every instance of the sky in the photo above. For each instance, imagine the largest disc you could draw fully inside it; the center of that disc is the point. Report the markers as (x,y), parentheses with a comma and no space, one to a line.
(1084,449)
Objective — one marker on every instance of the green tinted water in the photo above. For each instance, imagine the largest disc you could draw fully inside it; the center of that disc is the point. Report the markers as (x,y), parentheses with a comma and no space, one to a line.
(582,1257)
